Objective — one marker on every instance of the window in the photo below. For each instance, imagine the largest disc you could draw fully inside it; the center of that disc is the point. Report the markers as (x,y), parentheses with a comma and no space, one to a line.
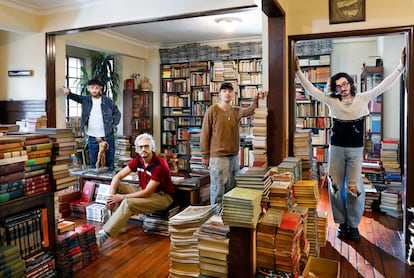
(73,74)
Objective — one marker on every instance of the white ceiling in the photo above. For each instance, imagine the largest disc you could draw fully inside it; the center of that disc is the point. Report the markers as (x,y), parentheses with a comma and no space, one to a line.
(173,32)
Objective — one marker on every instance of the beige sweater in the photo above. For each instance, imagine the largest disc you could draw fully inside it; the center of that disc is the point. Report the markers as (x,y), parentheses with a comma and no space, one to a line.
(220,130)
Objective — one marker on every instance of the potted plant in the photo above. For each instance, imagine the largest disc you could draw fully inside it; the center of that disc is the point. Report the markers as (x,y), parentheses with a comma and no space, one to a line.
(102,70)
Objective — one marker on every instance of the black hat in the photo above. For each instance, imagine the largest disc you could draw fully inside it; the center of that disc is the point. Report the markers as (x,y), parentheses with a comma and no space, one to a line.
(94,82)
(226,85)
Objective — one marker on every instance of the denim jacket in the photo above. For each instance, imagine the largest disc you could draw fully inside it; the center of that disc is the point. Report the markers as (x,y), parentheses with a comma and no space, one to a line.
(110,112)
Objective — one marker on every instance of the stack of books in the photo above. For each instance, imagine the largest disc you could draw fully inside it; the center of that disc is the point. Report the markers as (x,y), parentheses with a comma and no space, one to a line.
(123,152)
(302,148)
(298,166)
(291,167)
(260,134)
(184,253)
(281,196)
(98,211)
(265,238)
(196,166)
(12,162)
(390,163)
(242,207)
(255,178)
(287,243)
(64,145)
(87,242)
(156,222)
(372,169)
(391,203)
(322,227)
(304,242)
(63,198)
(307,195)
(372,195)
(69,256)
(12,264)
(213,245)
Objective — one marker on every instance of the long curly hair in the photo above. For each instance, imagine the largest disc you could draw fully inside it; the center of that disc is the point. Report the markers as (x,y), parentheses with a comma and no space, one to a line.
(332,84)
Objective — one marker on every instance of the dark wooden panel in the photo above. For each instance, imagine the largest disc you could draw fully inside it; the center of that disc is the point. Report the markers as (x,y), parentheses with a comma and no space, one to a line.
(12,111)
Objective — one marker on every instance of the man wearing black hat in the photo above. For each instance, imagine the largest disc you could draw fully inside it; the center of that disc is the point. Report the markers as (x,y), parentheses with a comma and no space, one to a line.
(220,141)
(100,118)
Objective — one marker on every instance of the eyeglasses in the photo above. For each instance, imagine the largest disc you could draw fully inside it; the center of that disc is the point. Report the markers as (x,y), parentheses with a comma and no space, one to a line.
(139,147)
(340,86)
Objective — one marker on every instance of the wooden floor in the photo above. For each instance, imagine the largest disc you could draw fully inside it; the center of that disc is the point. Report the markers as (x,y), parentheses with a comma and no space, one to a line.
(379,254)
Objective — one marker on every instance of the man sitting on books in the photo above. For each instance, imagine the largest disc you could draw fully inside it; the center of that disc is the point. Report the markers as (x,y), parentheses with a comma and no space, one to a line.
(155,180)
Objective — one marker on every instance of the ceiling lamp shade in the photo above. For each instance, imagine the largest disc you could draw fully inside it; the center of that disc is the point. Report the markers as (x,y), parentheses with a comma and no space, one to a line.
(228,23)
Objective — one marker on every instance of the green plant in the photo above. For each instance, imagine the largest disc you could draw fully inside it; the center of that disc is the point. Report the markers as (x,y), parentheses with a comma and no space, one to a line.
(102,70)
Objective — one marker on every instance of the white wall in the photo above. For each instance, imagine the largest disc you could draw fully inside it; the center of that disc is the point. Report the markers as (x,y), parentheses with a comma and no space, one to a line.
(22,51)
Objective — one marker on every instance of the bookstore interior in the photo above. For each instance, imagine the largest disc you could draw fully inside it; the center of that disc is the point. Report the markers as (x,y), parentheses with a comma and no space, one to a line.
(45,182)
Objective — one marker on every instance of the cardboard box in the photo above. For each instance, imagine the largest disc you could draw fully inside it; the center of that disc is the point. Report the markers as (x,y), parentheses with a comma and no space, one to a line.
(321,268)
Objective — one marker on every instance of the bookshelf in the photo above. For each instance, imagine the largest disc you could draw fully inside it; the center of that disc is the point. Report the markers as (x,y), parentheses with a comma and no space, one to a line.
(137,113)
(188,89)
(370,77)
(43,201)
(310,113)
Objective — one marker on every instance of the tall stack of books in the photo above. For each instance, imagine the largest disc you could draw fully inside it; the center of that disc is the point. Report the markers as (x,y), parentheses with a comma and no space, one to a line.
(304,242)
(213,246)
(255,178)
(265,238)
(307,195)
(242,207)
(87,242)
(302,148)
(390,163)
(123,152)
(69,256)
(260,134)
(322,227)
(184,252)
(287,243)
(196,166)
(64,145)
(12,264)
(12,161)
(391,203)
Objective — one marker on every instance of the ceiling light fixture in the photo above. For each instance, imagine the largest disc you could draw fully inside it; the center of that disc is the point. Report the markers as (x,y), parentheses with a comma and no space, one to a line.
(229,23)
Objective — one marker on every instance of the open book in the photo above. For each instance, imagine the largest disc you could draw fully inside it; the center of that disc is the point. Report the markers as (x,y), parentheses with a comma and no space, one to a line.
(103,193)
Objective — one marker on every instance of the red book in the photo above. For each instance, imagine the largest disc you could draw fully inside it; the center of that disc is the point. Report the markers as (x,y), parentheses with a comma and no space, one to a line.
(88,191)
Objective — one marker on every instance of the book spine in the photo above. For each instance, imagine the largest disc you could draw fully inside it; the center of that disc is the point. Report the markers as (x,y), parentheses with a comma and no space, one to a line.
(12,154)
(36,161)
(11,177)
(4,197)
(10,185)
(11,168)
(39,147)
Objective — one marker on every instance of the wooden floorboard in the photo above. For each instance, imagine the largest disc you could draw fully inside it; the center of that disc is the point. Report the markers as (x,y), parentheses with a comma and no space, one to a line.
(379,254)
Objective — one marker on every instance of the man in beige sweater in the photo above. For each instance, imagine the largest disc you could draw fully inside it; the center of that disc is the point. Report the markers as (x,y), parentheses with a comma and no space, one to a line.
(220,141)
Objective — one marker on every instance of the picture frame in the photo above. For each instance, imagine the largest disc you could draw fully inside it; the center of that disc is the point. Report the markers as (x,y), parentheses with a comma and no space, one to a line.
(346,11)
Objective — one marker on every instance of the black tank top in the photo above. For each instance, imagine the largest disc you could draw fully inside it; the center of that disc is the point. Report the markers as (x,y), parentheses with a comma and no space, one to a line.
(347,133)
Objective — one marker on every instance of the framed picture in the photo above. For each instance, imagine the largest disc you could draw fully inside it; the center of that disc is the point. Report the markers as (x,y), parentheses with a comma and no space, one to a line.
(345,11)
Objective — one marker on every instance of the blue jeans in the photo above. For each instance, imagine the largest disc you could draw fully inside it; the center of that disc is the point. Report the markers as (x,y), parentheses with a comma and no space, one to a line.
(94,149)
(222,170)
(345,166)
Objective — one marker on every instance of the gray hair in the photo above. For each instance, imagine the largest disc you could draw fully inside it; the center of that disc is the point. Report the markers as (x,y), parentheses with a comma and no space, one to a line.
(146,136)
